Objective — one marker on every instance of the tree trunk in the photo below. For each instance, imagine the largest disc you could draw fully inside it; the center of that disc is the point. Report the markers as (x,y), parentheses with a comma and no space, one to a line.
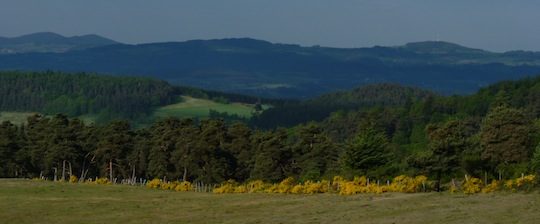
(185,174)
(63,170)
(438,184)
(133,176)
(110,171)
(70,170)
(82,170)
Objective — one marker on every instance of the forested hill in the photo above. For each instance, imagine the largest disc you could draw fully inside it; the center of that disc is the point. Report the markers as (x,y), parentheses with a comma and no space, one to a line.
(319,108)
(79,94)
(50,42)
(492,134)
(262,68)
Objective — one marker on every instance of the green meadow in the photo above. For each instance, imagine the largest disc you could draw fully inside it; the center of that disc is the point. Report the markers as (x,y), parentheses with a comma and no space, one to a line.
(26,201)
(190,107)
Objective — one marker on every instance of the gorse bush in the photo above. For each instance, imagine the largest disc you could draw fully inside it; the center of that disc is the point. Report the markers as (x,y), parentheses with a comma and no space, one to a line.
(472,185)
(73,179)
(175,185)
(492,187)
(154,184)
(342,186)
(524,183)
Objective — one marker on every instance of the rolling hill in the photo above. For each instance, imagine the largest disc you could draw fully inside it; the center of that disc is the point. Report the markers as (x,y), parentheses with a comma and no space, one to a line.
(100,98)
(50,42)
(261,68)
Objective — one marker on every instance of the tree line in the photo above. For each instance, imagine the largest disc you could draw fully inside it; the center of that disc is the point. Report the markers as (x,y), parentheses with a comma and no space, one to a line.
(80,94)
(212,151)
(492,133)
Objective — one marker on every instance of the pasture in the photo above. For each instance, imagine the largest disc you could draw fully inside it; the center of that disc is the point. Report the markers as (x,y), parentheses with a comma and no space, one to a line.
(26,201)
(15,117)
(191,107)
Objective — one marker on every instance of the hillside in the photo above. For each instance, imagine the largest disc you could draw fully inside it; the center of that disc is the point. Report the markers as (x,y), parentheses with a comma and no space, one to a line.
(406,131)
(50,42)
(261,68)
(97,98)
(319,108)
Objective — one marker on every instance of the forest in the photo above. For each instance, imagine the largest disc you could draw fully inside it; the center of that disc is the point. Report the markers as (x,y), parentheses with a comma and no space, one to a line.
(104,97)
(494,132)
(79,94)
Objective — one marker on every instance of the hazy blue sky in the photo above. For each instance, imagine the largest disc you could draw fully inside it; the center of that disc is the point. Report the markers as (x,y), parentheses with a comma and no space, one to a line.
(496,25)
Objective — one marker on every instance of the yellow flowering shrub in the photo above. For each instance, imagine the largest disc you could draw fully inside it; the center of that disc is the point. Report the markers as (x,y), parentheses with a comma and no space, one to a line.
(336,182)
(73,179)
(256,186)
(525,182)
(509,184)
(286,185)
(271,189)
(241,189)
(168,185)
(102,180)
(453,189)
(226,187)
(349,188)
(492,187)
(406,184)
(472,185)
(154,184)
(310,187)
(298,189)
(183,186)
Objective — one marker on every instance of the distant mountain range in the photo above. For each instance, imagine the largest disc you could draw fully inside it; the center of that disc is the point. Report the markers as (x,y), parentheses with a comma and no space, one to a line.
(262,68)
(50,42)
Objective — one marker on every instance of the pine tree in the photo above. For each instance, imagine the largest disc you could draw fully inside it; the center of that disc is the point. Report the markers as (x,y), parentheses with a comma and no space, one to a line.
(115,143)
(505,136)
(314,151)
(447,143)
(368,150)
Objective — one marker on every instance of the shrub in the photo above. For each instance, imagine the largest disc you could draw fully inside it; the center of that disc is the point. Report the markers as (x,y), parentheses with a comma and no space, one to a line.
(226,187)
(525,183)
(256,186)
(286,185)
(183,186)
(73,179)
(102,180)
(154,184)
(298,189)
(494,186)
(471,185)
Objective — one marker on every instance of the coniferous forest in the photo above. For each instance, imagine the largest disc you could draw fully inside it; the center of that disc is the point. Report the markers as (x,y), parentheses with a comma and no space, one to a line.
(493,132)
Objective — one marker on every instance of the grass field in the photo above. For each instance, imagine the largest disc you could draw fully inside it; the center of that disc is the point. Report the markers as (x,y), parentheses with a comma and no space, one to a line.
(199,108)
(25,201)
(15,117)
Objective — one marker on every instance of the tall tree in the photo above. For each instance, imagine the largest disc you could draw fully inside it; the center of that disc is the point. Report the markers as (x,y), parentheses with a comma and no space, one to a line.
(314,151)
(447,143)
(9,146)
(368,150)
(272,159)
(115,143)
(505,136)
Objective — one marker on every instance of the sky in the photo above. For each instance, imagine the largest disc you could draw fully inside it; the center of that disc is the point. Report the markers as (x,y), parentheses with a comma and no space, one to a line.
(496,25)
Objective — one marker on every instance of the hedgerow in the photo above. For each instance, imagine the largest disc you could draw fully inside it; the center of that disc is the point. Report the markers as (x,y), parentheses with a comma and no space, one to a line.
(340,185)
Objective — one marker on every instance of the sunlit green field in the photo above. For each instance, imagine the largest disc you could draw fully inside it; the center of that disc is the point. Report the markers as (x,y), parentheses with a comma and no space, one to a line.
(15,117)
(199,108)
(25,201)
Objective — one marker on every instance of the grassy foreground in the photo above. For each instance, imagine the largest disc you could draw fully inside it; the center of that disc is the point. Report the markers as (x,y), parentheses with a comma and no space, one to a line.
(25,201)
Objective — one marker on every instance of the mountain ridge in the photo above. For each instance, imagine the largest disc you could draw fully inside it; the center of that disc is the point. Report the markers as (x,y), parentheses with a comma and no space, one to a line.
(49,42)
(261,68)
